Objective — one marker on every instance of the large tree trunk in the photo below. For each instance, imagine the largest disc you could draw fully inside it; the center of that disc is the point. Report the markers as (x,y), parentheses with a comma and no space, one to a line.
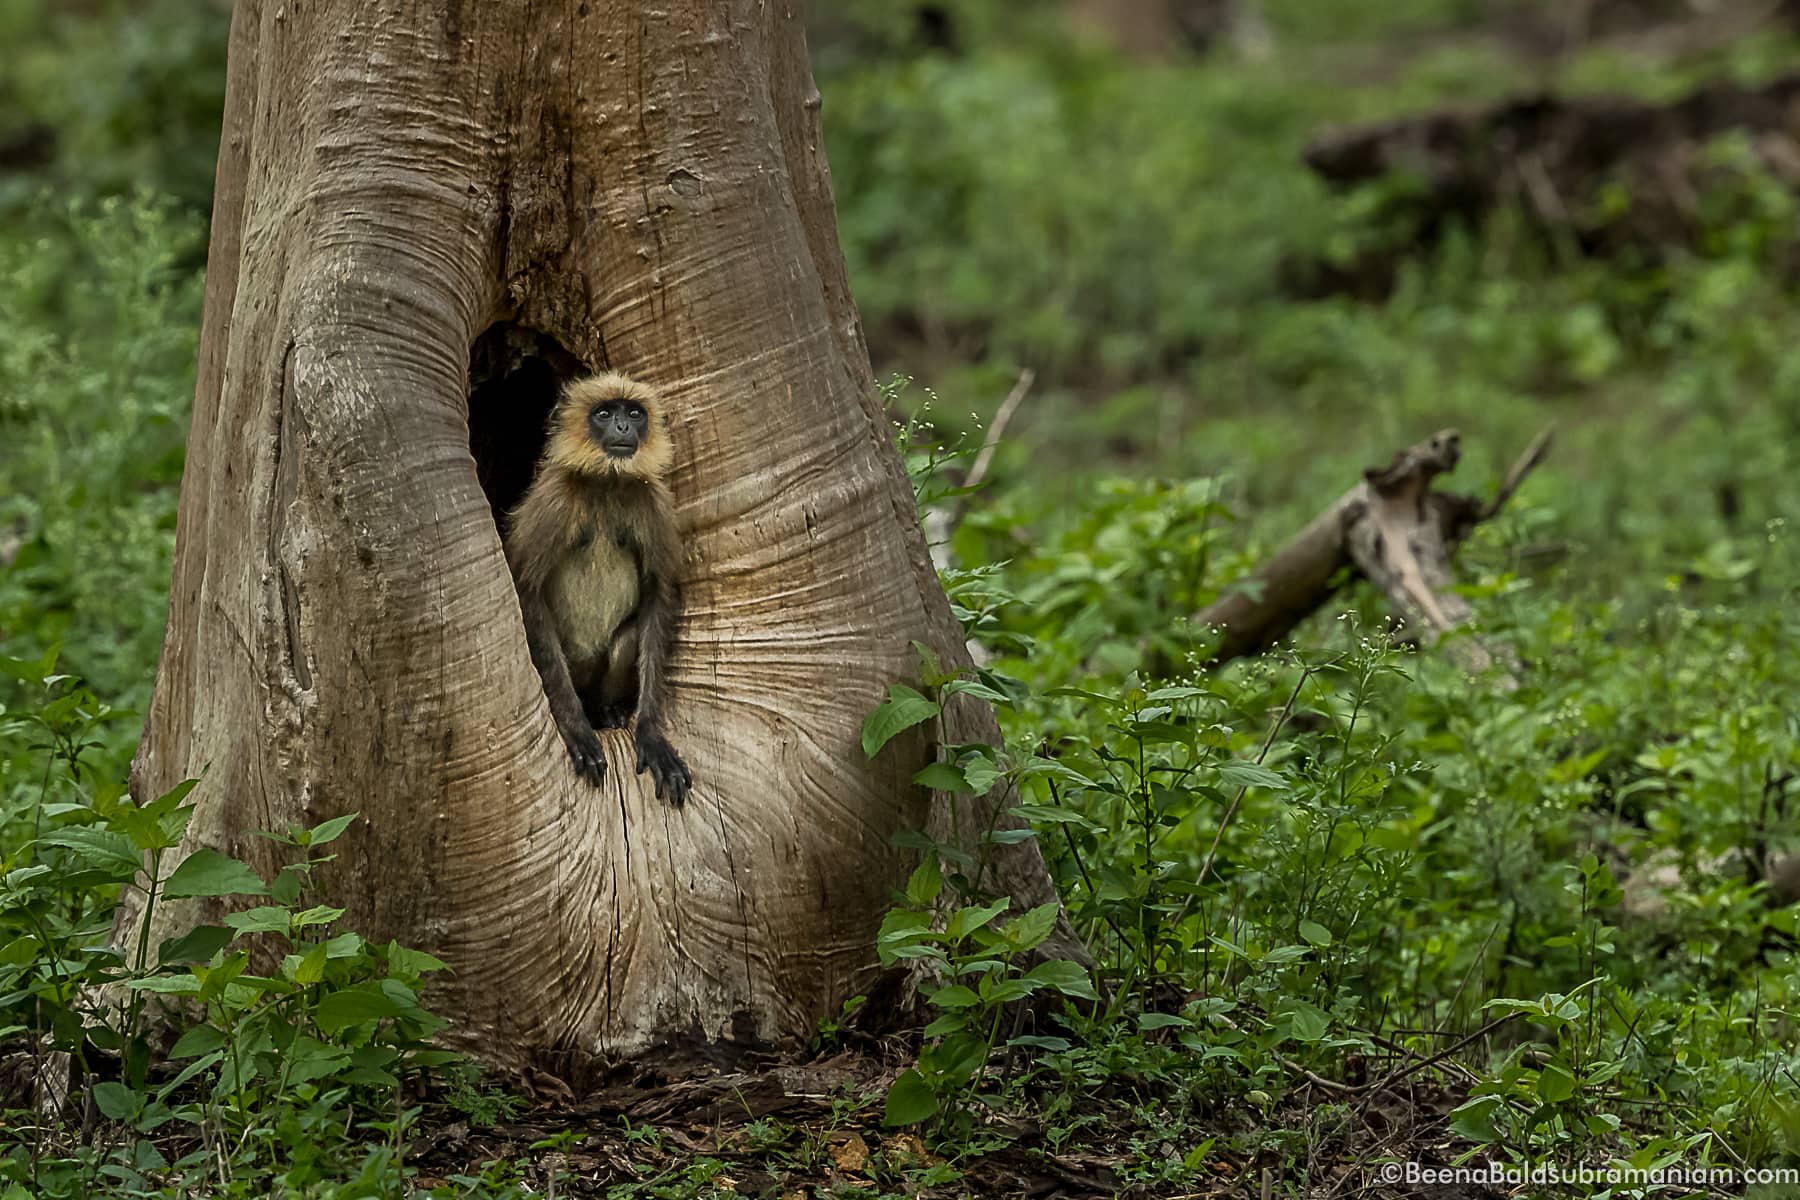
(414,199)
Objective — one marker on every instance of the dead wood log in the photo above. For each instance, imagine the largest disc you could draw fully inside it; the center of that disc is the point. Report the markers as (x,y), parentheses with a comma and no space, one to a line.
(1550,156)
(1392,529)
(1473,153)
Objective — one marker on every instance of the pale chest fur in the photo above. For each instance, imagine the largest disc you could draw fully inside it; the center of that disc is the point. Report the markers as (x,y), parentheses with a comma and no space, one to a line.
(590,595)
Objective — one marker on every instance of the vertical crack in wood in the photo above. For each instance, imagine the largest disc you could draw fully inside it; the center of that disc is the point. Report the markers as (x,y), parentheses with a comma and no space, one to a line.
(284,492)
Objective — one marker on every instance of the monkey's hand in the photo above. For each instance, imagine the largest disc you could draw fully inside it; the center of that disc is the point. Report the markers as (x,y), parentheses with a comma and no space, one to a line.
(585,753)
(654,754)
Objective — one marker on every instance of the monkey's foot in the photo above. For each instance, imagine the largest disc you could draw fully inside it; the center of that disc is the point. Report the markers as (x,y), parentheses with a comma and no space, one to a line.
(654,754)
(612,716)
(585,753)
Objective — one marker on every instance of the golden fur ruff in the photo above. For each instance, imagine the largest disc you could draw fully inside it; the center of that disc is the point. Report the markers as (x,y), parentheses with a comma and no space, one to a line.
(572,447)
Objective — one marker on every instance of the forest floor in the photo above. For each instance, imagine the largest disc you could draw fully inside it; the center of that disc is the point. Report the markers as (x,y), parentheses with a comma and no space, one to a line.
(815,1130)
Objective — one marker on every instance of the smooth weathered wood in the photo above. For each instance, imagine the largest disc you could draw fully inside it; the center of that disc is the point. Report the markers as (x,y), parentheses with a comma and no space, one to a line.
(1391,529)
(648,188)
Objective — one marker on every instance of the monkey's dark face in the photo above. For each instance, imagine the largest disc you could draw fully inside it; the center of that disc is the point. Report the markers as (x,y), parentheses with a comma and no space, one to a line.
(619,426)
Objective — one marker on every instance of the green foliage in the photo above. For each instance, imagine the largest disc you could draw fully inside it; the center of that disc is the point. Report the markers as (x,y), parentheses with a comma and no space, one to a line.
(977,955)
(1330,854)
(292,1032)
(1341,863)
(959,938)
(96,379)
(131,92)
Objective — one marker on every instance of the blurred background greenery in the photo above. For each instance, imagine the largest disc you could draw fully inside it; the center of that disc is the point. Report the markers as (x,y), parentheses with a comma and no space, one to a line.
(1117,197)
(1112,194)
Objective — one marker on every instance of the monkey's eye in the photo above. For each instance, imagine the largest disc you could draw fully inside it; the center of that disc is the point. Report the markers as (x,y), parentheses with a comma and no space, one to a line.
(635,413)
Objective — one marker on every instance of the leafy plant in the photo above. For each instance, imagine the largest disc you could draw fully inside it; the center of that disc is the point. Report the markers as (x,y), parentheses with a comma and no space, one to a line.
(977,955)
(289,1028)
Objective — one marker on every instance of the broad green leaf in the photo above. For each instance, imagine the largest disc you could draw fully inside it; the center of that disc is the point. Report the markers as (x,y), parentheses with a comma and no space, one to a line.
(982,772)
(1069,978)
(1153,1020)
(201,1039)
(1008,990)
(954,996)
(1475,1119)
(203,1063)
(339,1010)
(1315,933)
(926,882)
(1175,693)
(214,980)
(972,687)
(943,777)
(20,950)
(173,797)
(901,925)
(308,968)
(1555,1084)
(910,1099)
(115,1100)
(321,914)
(166,985)
(310,1059)
(1248,774)
(903,709)
(1031,928)
(112,853)
(348,945)
(401,994)
(965,921)
(949,1022)
(267,918)
(206,872)
(413,963)
(956,1058)
(149,830)
(198,944)
(1306,1022)
(931,668)
(329,831)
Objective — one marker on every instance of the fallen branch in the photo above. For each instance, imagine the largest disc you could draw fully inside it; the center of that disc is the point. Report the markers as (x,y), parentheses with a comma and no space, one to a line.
(996,430)
(1391,529)
(941,522)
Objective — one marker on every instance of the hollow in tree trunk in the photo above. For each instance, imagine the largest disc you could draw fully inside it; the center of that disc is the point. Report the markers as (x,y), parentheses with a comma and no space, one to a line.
(426,218)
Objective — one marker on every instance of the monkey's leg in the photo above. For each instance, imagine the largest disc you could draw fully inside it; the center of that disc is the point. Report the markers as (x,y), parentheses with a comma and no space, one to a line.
(565,704)
(657,608)
(610,704)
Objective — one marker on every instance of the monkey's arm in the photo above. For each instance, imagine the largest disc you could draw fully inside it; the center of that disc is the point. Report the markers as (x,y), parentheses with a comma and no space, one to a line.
(538,537)
(659,605)
(565,705)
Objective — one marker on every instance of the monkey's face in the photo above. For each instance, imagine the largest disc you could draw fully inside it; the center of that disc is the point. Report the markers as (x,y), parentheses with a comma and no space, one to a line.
(618,426)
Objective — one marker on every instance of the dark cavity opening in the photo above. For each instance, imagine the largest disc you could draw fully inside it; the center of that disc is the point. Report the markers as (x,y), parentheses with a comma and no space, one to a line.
(515,375)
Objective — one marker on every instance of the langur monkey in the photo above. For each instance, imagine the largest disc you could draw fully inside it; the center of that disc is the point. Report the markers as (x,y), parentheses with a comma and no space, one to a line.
(594,552)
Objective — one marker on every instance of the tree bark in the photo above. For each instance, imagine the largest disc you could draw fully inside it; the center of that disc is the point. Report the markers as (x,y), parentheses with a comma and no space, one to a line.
(554,187)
